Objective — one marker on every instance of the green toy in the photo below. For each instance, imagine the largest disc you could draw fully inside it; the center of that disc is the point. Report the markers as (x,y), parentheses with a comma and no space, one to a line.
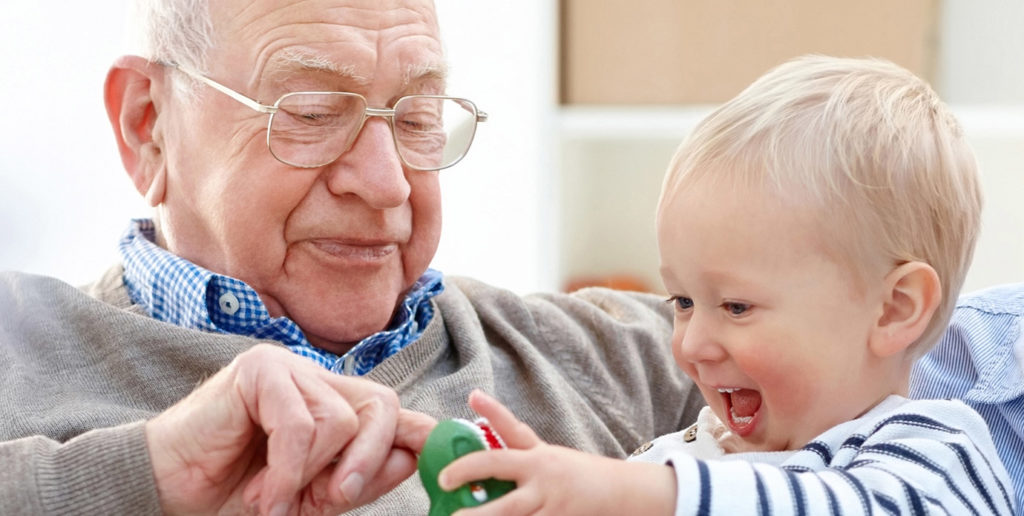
(450,440)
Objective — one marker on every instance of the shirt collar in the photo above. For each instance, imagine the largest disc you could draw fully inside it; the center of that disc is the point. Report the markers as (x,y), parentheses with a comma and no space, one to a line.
(177,291)
(990,325)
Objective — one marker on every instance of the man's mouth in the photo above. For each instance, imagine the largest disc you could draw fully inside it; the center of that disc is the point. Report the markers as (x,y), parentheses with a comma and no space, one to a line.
(362,251)
(742,405)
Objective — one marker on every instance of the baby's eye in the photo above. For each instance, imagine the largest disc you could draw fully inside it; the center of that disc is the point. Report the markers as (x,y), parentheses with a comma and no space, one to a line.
(736,308)
(683,303)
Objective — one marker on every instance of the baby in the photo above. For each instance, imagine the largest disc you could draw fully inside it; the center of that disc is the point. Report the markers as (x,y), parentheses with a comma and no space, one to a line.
(814,232)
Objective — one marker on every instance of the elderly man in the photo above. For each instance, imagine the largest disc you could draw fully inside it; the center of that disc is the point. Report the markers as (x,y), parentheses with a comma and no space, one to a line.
(290,151)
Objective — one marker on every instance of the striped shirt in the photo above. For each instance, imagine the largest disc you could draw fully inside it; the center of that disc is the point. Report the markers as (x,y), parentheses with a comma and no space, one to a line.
(980,360)
(902,457)
(177,291)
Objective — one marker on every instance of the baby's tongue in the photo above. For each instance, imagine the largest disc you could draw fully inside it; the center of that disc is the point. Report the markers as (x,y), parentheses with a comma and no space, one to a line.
(745,402)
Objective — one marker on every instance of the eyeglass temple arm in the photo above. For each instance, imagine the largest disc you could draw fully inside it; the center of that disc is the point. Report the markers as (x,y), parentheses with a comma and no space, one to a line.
(262,108)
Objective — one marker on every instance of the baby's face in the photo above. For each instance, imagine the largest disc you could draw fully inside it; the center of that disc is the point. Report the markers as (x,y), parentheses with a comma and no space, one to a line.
(773,331)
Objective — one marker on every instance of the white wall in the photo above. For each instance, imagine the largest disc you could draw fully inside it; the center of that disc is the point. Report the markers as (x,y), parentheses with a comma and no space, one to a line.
(981,54)
(500,203)
(64,198)
(981,73)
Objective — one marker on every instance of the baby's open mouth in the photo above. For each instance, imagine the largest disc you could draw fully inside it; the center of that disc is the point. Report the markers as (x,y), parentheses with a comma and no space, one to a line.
(742,405)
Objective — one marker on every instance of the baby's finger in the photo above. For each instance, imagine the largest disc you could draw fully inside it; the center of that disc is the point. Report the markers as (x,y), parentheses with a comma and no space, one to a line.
(500,464)
(516,434)
(518,501)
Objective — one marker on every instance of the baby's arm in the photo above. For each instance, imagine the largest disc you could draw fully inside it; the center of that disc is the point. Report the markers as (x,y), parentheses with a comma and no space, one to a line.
(557,480)
(908,463)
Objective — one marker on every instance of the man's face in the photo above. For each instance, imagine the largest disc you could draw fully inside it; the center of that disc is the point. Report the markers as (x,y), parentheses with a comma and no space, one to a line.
(333,248)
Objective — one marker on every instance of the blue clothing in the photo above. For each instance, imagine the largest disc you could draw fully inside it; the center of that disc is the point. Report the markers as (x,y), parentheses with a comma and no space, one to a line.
(177,291)
(980,360)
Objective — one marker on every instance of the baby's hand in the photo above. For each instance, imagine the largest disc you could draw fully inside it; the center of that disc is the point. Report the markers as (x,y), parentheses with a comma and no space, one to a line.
(554,480)
(451,439)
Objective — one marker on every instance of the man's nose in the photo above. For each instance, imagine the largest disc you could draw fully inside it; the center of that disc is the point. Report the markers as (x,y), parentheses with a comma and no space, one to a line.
(371,168)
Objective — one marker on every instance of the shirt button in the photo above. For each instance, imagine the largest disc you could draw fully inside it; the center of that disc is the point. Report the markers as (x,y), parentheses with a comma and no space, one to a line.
(691,434)
(229,303)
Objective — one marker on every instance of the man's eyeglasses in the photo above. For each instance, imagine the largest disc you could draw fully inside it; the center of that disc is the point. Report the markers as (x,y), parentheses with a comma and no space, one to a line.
(312,129)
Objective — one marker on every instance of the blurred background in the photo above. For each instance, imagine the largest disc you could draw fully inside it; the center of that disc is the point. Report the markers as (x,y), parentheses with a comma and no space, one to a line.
(587,101)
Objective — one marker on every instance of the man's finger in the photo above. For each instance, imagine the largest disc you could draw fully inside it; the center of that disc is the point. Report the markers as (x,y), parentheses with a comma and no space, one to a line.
(413,429)
(282,414)
(306,421)
(399,464)
(410,434)
(376,407)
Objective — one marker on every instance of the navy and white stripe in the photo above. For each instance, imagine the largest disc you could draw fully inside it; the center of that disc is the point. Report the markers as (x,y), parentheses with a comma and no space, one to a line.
(902,457)
(177,291)
(980,360)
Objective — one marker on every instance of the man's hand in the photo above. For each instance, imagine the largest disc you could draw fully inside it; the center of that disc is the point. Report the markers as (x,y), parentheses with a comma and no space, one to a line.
(553,480)
(275,433)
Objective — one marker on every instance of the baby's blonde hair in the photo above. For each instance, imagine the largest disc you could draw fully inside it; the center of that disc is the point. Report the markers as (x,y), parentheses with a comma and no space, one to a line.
(864,144)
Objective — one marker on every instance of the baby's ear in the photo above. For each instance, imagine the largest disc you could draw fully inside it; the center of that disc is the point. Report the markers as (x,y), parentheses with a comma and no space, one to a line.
(912,294)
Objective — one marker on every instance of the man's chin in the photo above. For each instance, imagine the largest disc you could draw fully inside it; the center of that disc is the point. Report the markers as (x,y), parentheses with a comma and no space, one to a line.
(337,310)
(337,329)
(338,338)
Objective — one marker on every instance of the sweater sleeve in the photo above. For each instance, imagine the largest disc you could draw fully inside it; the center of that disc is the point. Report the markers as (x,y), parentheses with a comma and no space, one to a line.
(105,471)
(909,462)
(79,378)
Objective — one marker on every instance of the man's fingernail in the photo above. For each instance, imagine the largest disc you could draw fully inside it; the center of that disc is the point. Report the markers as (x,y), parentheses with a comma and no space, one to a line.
(281,509)
(352,486)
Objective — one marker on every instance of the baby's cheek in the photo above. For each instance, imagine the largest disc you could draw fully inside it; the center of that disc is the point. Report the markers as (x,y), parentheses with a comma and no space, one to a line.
(783,386)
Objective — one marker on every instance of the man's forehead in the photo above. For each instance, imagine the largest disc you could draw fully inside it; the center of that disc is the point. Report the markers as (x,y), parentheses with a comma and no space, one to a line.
(344,37)
(372,14)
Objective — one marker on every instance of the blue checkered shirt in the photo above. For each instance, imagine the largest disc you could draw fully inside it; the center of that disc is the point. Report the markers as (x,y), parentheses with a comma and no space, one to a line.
(177,291)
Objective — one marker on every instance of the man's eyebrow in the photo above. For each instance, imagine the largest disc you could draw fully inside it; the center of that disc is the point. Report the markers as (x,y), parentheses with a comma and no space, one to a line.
(426,72)
(291,60)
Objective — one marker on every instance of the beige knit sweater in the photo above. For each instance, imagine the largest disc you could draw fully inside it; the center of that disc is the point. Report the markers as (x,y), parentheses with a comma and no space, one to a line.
(80,372)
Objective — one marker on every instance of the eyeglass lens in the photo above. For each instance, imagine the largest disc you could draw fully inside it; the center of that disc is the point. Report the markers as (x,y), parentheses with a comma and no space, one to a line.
(313,129)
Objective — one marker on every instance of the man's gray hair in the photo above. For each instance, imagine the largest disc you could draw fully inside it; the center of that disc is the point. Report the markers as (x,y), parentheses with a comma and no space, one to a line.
(173,31)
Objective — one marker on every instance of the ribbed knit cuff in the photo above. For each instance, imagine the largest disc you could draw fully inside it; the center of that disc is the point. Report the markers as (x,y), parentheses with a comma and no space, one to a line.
(105,471)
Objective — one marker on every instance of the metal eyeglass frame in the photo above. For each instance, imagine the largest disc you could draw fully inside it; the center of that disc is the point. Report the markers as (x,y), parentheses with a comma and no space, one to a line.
(387,113)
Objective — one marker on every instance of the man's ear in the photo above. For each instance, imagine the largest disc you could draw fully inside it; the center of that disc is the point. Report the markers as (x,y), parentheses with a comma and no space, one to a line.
(913,293)
(132,96)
